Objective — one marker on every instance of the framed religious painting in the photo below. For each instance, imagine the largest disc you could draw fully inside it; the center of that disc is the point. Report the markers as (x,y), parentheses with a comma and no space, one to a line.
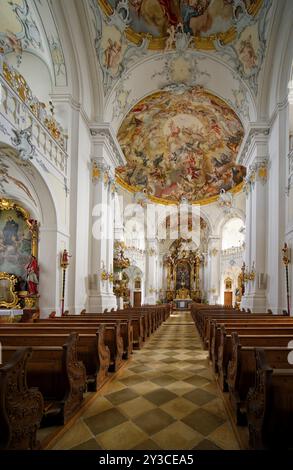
(19,248)
(137,283)
(228,283)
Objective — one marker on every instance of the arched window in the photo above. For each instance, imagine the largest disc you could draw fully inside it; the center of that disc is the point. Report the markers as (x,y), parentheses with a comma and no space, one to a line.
(233,234)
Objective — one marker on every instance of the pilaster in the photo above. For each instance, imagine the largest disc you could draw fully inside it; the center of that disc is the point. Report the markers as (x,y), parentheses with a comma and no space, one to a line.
(256,223)
(106,156)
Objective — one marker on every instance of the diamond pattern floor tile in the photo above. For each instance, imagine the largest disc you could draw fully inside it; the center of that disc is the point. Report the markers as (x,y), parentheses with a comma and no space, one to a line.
(165,397)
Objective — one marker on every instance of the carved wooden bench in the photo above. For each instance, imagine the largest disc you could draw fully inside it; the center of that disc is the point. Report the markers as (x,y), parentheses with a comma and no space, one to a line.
(137,322)
(112,336)
(270,406)
(224,318)
(233,324)
(250,329)
(84,323)
(57,373)
(21,408)
(225,349)
(91,350)
(242,369)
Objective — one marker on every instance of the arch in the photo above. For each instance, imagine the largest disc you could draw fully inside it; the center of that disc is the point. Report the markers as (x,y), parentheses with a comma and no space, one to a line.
(233,225)
(84,76)
(174,210)
(42,206)
(148,75)
(235,213)
(133,271)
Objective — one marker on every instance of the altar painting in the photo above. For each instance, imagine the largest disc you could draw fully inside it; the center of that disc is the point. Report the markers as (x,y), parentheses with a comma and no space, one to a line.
(15,242)
(183,275)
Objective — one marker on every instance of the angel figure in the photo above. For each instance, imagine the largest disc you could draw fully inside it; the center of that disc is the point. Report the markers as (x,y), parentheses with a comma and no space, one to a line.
(112,54)
(171,39)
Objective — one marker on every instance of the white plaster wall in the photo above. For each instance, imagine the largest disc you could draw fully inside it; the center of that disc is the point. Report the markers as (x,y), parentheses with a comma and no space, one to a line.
(40,82)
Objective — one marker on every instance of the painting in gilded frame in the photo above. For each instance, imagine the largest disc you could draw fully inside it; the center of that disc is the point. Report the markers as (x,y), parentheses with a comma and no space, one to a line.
(16,238)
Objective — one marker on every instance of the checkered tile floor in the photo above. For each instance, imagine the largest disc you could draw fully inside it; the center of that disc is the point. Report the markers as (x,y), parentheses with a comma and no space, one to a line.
(164,398)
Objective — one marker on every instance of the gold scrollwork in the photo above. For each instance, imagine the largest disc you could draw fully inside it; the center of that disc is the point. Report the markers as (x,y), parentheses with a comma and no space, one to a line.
(33,226)
(8,296)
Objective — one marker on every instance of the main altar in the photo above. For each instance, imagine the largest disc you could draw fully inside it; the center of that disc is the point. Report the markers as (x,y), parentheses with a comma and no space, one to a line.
(182,265)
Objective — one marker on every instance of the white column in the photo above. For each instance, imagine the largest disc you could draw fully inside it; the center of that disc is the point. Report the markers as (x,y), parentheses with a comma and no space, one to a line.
(110,244)
(118,218)
(279,229)
(214,269)
(256,224)
(106,156)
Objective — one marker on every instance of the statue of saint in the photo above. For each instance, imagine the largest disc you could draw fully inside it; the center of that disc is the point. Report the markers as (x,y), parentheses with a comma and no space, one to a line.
(32,275)
(65,259)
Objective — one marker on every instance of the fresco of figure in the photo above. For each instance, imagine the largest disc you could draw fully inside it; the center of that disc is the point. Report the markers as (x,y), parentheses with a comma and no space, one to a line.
(10,231)
(113,54)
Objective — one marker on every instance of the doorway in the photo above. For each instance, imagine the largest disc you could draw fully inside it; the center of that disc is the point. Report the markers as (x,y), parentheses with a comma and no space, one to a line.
(137,298)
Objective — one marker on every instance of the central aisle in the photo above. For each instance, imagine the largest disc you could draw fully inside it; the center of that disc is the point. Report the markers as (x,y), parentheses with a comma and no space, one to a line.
(164,398)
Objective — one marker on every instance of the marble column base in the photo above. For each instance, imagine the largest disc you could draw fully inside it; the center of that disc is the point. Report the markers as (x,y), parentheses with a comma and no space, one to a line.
(255,301)
(98,302)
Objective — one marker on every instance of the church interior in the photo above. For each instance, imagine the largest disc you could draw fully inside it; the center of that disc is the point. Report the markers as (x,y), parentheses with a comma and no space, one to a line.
(146,224)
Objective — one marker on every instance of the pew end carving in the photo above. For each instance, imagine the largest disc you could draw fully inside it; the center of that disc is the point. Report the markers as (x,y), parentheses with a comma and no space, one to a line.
(21,408)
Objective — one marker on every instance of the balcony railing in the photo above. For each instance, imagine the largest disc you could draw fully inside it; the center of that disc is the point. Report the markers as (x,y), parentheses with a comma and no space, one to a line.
(20,110)
(234,251)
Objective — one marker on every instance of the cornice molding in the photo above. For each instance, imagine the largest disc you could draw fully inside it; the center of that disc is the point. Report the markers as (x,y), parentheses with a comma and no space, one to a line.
(104,134)
(279,107)
(256,132)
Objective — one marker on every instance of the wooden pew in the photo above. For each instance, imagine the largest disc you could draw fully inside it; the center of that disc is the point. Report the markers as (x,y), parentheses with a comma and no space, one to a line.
(264,328)
(57,373)
(91,350)
(200,316)
(112,336)
(253,320)
(270,406)
(242,370)
(225,349)
(137,323)
(21,408)
(84,324)
(213,341)
(220,317)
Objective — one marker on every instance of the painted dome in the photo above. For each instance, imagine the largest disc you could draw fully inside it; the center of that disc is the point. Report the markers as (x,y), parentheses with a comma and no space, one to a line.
(181,145)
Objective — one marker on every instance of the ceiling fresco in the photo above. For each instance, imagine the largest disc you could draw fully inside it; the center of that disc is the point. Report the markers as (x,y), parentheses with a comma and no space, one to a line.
(22,31)
(181,145)
(127,33)
(204,20)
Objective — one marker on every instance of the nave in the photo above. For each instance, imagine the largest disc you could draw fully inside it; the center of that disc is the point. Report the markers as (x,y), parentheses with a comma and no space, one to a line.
(164,397)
